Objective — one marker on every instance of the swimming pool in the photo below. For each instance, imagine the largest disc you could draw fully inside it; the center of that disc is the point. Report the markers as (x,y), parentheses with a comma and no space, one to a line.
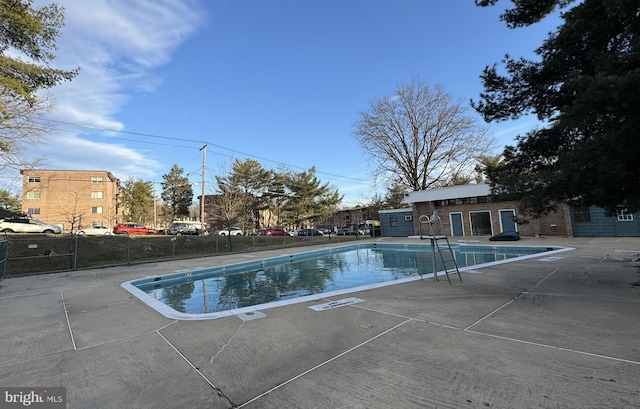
(260,284)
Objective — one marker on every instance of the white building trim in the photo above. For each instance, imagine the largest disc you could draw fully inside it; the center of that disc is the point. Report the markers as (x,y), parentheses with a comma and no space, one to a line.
(450,192)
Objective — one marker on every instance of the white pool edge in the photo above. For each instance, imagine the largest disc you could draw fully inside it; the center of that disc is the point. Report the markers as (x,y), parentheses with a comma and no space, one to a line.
(171,313)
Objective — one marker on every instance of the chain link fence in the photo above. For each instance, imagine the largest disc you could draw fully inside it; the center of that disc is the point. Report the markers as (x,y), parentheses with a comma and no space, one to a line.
(38,254)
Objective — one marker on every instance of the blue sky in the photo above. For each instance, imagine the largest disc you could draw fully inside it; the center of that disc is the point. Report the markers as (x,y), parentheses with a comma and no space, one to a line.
(278,81)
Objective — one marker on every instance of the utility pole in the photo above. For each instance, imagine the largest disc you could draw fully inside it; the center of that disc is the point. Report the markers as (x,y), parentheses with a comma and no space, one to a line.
(204,161)
(155,210)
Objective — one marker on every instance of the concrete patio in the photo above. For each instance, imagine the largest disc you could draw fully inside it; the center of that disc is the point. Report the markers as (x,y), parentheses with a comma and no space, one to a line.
(560,332)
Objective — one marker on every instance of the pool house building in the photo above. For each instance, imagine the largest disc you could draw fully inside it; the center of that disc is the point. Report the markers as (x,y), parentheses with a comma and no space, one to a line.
(471,210)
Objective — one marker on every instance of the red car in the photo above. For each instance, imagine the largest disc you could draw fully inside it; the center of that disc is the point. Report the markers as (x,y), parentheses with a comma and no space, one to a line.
(273,232)
(133,228)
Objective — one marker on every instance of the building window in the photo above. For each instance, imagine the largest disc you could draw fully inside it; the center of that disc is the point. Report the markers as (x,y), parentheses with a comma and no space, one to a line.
(97,179)
(33,210)
(582,215)
(624,215)
(96,210)
(33,195)
(96,195)
(33,179)
(393,221)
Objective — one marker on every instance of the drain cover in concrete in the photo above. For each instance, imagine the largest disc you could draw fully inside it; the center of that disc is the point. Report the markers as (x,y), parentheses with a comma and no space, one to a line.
(335,304)
(253,315)
(551,258)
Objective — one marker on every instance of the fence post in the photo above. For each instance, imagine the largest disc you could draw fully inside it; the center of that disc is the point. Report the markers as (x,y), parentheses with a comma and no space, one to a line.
(4,256)
(75,254)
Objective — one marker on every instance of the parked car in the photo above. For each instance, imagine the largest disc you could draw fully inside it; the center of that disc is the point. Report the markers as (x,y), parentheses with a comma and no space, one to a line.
(272,232)
(178,229)
(27,225)
(345,232)
(229,231)
(133,228)
(293,232)
(95,231)
(310,232)
(193,224)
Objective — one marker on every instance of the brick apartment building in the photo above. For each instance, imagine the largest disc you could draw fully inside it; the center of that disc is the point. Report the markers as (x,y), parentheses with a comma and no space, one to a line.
(352,217)
(71,198)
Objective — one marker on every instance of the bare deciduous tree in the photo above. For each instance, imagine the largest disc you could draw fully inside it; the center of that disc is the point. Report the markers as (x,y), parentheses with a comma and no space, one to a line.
(22,124)
(421,137)
(69,211)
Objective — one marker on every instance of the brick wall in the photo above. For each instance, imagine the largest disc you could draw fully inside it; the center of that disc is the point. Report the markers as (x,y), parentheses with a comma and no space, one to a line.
(67,197)
(555,224)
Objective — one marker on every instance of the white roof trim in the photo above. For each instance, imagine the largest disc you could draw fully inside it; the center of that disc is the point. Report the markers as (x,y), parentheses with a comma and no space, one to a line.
(450,192)
(405,209)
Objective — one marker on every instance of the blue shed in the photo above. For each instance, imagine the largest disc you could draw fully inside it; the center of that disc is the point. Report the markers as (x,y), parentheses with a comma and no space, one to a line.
(594,222)
(396,223)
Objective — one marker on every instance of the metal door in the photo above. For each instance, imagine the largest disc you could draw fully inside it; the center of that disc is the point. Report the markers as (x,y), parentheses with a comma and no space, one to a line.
(507,221)
(456,224)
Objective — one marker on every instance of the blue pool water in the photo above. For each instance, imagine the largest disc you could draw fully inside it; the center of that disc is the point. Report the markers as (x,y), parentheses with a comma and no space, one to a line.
(278,279)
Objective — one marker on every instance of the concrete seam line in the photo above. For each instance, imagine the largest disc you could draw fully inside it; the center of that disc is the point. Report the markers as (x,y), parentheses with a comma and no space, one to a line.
(324,363)
(117,340)
(66,314)
(97,278)
(575,351)
(510,301)
(393,314)
(214,387)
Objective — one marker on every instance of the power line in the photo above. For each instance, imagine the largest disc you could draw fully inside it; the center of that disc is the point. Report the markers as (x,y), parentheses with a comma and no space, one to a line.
(200,142)
(133,140)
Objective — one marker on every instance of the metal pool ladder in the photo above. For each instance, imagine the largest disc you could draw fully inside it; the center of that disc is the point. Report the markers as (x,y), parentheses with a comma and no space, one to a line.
(434,236)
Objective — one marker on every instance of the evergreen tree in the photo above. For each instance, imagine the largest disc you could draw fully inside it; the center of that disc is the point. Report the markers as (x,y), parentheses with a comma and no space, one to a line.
(27,44)
(252,180)
(395,196)
(585,89)
(177,192)
(136,198)
(308,200)
(10,204)
(32,32)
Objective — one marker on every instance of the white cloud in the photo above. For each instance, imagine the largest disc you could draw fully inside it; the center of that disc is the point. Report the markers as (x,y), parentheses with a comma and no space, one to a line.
(75,153)
(134,33)
(117,44)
